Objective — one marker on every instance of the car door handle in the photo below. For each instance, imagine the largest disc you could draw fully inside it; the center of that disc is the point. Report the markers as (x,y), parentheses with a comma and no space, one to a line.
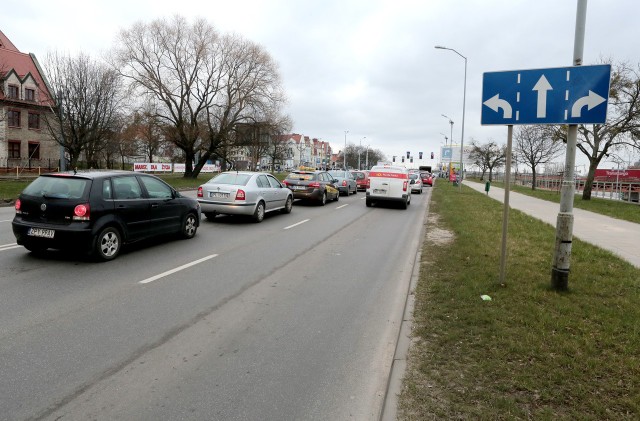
(154,205)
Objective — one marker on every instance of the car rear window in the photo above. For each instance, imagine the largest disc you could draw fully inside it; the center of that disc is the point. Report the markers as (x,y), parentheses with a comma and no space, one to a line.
(301,176)
(61,187)
(358,175)
(231,178)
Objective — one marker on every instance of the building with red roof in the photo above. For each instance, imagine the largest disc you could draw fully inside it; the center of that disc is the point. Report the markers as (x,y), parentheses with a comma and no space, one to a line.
(25,104)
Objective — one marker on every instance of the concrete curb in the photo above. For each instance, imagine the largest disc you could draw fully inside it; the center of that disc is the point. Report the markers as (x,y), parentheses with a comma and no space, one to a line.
(399,365)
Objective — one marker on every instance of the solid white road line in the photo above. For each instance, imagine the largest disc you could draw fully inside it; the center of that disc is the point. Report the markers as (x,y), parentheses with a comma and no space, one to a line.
(340,207)
(179,268)
(296,224)
(6,220)
(8,247)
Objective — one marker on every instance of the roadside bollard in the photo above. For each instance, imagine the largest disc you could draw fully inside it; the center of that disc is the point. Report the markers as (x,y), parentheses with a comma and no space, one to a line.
(487,185)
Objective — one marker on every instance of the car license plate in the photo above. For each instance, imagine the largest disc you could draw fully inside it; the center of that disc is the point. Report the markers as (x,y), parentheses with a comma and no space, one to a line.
(379,191)
(41,232)
(299,188)
(218,194)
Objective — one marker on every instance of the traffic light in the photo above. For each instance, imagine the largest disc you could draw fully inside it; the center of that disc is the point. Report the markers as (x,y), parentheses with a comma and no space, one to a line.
(408,154)
(431,155)
(403,159)
(412,160)
(420,155)
(394,158)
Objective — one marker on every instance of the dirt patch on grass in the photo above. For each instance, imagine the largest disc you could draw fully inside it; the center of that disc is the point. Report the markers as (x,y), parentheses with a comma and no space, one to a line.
(435,235)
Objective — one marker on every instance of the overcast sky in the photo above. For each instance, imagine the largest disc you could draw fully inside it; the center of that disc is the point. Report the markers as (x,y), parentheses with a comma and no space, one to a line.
(366,66)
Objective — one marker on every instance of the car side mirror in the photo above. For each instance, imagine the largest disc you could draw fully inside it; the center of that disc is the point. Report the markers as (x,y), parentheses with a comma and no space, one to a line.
(335,180)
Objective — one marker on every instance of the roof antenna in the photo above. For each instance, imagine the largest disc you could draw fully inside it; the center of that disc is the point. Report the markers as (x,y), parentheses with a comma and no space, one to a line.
(75,170)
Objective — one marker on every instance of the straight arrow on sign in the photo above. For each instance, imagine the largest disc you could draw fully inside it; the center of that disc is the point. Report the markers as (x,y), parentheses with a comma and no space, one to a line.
(542,87)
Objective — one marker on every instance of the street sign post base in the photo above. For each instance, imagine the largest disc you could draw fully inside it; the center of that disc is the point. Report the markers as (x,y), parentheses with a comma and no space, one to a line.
(559,279)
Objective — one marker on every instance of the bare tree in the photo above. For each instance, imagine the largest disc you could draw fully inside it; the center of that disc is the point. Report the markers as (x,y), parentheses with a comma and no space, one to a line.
(535,145)
(622,128)
(88,97)
(487,156)
(278,149)
(204,84)
(144,130)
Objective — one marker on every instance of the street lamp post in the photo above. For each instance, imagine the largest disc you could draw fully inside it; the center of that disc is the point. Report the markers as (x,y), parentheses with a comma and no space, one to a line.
(445,145)
(451,155)
(344,153)
(464,100)
(359,152)
(366,161)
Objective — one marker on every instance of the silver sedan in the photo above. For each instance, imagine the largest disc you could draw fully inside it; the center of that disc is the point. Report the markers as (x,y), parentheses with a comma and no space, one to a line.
(244,193)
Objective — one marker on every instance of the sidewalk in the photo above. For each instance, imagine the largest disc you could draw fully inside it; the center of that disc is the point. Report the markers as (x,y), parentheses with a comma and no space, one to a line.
(619,237)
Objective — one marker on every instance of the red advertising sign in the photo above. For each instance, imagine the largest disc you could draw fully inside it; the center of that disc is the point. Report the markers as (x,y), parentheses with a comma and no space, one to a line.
(618,174)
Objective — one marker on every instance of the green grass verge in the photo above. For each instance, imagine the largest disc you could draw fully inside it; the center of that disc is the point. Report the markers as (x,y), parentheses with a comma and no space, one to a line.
(613,208)
(531,352)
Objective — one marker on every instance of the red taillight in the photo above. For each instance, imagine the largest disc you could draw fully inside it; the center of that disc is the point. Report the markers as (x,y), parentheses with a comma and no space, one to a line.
(315,184)
(404,186)
(368,184)
(17,206)
(200,192)
(344,183)
(284,182)
(240,195)
(81,212)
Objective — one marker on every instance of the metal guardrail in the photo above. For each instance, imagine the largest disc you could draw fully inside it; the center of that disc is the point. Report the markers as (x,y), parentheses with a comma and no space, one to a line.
(626,191)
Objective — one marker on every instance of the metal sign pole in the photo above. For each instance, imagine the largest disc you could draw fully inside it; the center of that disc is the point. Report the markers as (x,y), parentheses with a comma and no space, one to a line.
(564,224)
(505,212)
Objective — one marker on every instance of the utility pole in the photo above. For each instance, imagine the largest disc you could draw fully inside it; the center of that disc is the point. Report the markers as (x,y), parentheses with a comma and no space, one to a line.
(344,153)
(564,224)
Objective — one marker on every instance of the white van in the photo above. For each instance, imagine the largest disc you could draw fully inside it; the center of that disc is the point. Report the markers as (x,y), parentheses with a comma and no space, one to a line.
(389,183)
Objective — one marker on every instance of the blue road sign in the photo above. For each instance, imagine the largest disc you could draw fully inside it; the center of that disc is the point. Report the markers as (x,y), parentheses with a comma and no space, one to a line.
(562,95)
(446,153)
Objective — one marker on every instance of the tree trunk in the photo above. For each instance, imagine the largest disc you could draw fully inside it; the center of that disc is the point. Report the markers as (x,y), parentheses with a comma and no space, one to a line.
(188,163)
(533,179)
(588,184)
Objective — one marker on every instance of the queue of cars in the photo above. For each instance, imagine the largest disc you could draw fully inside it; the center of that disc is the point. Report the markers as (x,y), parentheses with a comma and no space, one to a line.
(97,212)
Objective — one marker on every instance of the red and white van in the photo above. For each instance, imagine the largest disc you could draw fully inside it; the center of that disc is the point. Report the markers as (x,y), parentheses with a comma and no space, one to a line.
(389,183)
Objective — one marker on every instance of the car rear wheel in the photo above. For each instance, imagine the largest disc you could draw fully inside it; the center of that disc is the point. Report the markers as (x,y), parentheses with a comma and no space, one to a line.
(190,226)
(323,201)
(288,205)
(107,244)
(258,215)
(369,202)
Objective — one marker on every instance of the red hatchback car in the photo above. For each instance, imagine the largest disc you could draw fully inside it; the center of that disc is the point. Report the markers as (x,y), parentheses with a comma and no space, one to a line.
(362,179)
(427,179)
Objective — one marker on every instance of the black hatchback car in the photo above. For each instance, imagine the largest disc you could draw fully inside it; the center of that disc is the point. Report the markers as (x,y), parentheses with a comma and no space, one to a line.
(99,211)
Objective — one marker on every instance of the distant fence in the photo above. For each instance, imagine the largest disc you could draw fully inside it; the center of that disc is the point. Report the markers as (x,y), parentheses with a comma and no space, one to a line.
(624,190)
(19,166)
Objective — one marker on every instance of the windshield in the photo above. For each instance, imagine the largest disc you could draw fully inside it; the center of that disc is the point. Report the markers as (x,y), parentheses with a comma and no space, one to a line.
(235,179)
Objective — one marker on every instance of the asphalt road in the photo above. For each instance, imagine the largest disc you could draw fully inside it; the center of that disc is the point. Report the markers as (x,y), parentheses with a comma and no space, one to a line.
(293,318)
